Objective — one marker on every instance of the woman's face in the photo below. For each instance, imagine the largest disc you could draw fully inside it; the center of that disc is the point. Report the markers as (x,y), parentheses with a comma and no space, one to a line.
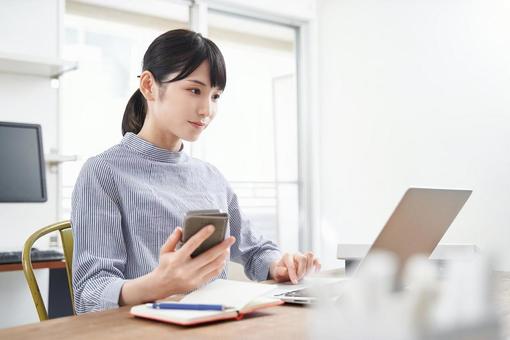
(186,107)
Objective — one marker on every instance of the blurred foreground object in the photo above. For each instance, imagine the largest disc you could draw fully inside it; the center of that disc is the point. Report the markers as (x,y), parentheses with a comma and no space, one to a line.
(381,302)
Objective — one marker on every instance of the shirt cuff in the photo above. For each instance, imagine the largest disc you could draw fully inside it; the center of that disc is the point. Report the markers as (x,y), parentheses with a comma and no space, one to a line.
(111,294)
(263,262)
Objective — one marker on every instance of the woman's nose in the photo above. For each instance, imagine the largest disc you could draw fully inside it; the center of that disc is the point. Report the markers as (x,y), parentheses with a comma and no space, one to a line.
(204,112)
(206,109)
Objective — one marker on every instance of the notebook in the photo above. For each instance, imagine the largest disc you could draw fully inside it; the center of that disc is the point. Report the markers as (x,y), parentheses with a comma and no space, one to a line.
(244,297)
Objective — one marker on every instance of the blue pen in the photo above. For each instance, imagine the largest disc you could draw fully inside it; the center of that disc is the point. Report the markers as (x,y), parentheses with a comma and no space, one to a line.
(187,306)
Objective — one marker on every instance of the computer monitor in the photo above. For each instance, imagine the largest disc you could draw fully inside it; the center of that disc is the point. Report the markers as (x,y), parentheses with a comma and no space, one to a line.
(22,169)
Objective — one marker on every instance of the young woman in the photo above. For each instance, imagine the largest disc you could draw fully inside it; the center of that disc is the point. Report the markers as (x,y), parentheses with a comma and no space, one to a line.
(129,201)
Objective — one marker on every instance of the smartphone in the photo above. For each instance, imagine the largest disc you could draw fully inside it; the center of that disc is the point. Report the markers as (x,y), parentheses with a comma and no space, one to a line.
(195,220)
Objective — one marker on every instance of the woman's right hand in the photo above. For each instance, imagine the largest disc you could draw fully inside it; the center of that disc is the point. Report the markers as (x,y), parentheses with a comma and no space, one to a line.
(178,272)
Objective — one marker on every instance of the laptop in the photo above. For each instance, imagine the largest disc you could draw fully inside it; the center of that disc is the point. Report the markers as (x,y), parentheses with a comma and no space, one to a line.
(415,227)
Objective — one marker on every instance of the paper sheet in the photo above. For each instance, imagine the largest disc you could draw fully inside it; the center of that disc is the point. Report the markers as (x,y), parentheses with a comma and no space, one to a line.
(236,294)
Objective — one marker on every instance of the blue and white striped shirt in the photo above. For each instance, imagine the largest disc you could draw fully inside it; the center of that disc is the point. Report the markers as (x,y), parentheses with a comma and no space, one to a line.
(129,199)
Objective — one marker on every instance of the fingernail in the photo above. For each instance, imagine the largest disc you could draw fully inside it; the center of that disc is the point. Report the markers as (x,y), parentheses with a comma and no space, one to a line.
(210,227)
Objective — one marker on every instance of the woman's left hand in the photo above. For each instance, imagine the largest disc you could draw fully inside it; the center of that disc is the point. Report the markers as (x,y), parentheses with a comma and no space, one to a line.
(293,267)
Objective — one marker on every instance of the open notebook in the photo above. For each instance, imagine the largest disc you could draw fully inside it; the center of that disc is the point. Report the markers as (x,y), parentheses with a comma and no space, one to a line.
(244,297)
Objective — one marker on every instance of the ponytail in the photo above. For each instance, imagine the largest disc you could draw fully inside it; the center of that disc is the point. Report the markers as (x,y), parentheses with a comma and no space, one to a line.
(134,114)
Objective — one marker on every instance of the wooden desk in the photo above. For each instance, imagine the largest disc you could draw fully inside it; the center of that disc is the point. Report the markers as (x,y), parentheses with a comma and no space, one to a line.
(9,267)
(286,322)
(277,323)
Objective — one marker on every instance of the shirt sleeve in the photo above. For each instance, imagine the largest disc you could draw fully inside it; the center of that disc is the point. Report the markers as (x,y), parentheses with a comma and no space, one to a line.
(99,256)
(250,249)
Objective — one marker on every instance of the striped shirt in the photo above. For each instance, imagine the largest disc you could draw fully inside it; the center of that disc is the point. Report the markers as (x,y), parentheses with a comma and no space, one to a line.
(129,199)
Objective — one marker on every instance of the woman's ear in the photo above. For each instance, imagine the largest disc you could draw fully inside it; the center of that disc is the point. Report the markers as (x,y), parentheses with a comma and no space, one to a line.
(147,85)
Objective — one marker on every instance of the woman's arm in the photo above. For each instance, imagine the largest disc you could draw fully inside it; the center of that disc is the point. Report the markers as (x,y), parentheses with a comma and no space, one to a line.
(251,250)
(177,271)
(99,248)
(262,258)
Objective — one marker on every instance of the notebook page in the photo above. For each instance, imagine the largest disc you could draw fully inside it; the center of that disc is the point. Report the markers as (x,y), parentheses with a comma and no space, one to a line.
(236,294)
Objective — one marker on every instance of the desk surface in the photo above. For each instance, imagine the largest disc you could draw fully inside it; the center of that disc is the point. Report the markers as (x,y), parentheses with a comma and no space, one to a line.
(56,264)
(281,322)
(288,322)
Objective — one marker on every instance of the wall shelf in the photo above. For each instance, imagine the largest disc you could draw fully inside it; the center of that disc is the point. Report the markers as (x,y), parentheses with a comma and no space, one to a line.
(54,159)
(35,66)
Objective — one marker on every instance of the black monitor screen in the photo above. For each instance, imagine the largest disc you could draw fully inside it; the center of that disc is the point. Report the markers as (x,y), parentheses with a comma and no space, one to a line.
(22,176)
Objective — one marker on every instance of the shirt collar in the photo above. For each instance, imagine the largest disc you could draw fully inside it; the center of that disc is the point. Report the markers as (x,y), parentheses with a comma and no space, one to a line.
(151,151)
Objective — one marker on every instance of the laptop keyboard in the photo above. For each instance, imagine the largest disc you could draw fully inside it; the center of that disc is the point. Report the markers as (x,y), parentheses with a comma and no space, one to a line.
(311,292)
(303,292)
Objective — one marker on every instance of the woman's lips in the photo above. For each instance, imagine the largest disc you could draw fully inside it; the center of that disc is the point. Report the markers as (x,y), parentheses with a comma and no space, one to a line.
(197,125)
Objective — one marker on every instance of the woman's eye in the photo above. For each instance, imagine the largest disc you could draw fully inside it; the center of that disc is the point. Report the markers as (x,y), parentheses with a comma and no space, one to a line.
(216,97)
(195,91)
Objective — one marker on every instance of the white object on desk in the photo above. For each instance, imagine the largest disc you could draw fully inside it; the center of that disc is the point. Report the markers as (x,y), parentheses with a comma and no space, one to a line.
(458,306)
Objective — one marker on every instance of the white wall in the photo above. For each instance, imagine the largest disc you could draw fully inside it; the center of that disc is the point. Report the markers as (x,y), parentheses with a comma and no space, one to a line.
(414,93)
(30,28)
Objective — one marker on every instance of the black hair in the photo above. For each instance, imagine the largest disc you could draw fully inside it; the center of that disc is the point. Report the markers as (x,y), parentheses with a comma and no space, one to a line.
(178,51)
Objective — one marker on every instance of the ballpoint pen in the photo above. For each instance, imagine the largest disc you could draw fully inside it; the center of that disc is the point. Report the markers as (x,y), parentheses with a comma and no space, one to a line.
(187,306)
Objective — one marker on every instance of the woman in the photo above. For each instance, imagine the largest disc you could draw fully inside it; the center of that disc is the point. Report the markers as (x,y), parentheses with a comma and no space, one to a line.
(129,200)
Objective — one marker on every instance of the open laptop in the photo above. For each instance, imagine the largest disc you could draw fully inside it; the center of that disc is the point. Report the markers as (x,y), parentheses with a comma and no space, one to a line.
(415,227)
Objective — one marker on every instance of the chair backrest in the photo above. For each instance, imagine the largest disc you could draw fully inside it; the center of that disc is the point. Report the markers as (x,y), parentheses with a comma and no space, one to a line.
(66,235)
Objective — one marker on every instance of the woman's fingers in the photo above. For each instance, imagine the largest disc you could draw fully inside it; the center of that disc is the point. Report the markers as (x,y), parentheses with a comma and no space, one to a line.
(301,261)
(212,269)
(210,255)
(196,240)
(172,241)
(309,261)
(289,263)
(317,265)
(305,263)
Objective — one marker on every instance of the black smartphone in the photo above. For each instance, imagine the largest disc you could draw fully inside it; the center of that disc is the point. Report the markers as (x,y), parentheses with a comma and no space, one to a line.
(195,220)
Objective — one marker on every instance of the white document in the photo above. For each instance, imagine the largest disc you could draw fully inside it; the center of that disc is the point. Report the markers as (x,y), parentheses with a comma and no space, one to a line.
(230,293)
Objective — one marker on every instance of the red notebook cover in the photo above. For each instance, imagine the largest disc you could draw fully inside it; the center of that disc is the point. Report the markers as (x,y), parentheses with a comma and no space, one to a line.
(189,318)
